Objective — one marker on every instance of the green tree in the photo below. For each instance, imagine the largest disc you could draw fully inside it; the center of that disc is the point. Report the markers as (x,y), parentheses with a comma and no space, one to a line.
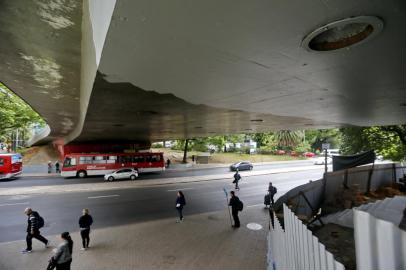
(288,139)
(389,141)
(317,137)
(263,139)
(15,113)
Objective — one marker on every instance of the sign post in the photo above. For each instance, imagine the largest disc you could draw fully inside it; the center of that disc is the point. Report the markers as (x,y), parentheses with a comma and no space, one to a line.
(325,146)
(228,207)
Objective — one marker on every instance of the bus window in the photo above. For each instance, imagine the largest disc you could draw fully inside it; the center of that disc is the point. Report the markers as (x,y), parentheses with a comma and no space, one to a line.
(85,160)
(69,162)
(124,159)
(1,161)
(111,159)
(138,159)
(153,158)
(99,160)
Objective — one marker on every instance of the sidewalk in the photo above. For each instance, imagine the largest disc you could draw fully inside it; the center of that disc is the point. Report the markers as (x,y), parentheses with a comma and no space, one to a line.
(204,241)
(141,183)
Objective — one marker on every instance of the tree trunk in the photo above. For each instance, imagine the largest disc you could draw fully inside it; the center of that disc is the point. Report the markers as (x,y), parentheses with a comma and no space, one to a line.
(185,151)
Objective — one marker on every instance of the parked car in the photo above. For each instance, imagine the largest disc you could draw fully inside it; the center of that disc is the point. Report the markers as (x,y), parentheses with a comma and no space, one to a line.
(125,173)
(242,166)
(309,154)
(321,161)
(280,152)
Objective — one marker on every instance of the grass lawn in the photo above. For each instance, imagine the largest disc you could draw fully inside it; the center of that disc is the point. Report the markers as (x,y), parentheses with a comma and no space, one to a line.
(227,158)
(234,157)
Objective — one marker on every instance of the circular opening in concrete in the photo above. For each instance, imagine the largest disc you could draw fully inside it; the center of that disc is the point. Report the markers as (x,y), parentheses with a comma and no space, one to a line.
(254,226)
(343,34)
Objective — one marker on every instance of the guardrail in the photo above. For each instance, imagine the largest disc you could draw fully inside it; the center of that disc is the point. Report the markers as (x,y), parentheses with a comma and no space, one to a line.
(296,248)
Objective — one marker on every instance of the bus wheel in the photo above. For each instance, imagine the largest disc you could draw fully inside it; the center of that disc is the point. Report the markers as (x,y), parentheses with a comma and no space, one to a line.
(82,174)
(111,178)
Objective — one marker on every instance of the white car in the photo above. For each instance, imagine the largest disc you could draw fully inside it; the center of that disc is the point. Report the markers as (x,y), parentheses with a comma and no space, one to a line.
(125,173)
(321,160)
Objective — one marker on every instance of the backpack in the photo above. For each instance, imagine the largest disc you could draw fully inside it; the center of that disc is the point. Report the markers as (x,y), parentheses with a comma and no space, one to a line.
(40,222)
(240,205)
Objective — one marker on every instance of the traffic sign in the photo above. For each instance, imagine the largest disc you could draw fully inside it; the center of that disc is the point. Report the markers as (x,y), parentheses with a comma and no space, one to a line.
(325,146)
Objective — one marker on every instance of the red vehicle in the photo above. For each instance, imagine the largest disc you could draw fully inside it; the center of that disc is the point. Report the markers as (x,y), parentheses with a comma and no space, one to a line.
(280,152)
(11,165)
(82,165)
(309,154)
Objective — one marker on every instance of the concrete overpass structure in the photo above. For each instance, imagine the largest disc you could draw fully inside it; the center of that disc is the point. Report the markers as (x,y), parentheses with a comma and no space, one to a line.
(142,71)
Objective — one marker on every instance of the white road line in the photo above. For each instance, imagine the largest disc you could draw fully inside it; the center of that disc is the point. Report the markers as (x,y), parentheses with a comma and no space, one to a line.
(10,204)
(105,196)
(255,205)
(181,189)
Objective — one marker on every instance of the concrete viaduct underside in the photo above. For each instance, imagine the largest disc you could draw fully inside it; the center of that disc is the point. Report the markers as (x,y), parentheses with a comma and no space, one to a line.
(139,70)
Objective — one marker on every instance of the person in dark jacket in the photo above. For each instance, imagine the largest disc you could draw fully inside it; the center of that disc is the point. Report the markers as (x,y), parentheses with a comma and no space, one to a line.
(57,167)
(85,221)
(234,203)
(237,178)
(33,227)
(180,202)
(63,254)
(272,191)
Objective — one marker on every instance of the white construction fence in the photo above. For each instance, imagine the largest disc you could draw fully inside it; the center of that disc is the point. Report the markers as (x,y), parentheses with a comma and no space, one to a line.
(379,244)
(295,248)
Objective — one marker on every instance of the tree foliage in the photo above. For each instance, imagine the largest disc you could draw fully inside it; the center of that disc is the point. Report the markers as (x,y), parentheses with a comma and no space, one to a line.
(389,141)
(15,113)
(288,139)
(317,137)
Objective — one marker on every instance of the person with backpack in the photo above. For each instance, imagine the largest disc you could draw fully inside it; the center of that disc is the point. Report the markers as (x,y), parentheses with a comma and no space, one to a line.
(35,222)
(237,178)
(62,258)
(180,202)
(57,167)
(85,221)
(236,205)
(272,191)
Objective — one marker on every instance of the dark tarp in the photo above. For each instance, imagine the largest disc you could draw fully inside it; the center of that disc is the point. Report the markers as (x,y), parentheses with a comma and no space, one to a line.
(346,162)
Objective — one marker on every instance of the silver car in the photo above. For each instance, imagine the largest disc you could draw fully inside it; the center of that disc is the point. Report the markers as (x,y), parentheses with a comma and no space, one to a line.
(125,173)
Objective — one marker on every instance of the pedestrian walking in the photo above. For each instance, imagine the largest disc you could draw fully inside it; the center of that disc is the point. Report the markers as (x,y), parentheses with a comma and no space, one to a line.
(85,221)
(272,191)
(168,163)
(180,202)
(62,258)
(49,166)
(34,223)
(236,205)
(57,167)
(237,178)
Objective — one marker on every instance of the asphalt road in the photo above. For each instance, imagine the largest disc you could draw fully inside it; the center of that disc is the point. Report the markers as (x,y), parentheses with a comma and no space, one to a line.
(118,207)
(45,181)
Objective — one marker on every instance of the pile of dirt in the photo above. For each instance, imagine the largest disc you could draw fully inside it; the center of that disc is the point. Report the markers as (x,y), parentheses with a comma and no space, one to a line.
(352,197)
(37,155)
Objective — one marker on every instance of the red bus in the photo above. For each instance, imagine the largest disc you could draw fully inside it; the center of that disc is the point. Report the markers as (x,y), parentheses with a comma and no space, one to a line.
(11,165)
(82,165)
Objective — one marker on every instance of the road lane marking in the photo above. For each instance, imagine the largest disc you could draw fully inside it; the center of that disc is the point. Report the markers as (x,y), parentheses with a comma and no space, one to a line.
(255,205)
(105,196)
(10,204)
(181,189)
